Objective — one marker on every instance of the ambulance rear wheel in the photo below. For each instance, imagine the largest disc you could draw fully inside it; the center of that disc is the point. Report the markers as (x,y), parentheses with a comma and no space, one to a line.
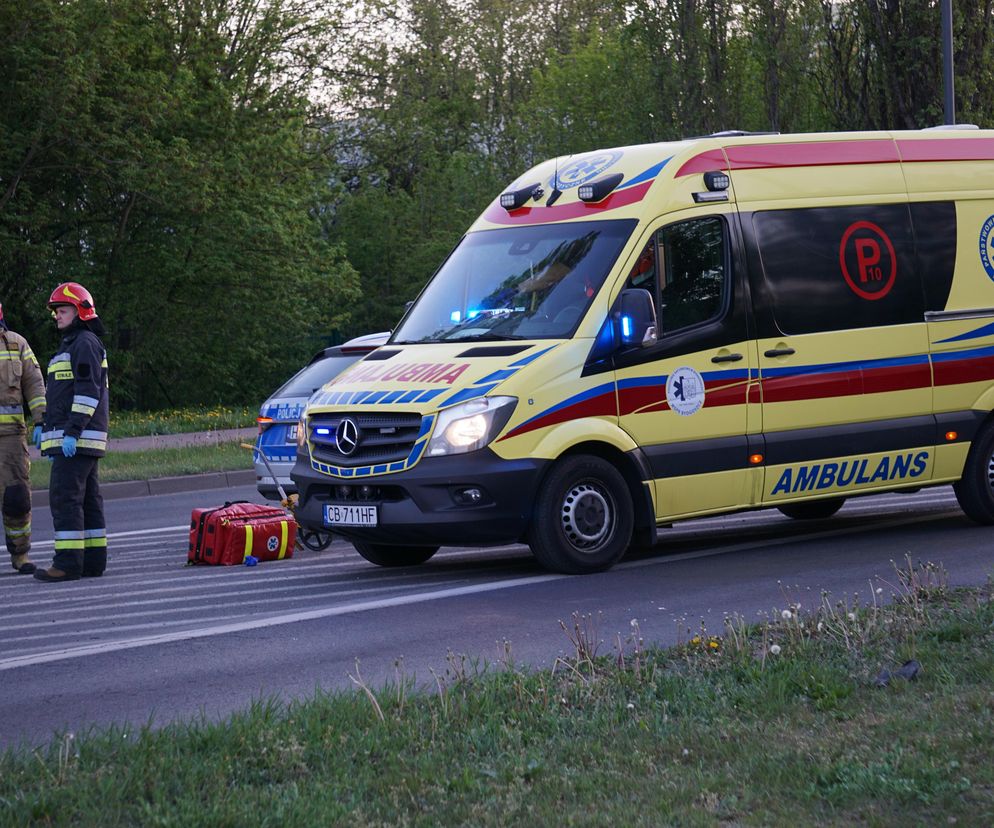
(975,490)
(383,555)
(814,509)
(583,517)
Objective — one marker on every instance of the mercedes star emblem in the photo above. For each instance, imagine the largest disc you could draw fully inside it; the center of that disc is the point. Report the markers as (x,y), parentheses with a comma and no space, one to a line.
(347,436)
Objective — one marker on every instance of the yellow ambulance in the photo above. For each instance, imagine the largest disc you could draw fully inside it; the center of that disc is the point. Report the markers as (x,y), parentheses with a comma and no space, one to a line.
(654,333)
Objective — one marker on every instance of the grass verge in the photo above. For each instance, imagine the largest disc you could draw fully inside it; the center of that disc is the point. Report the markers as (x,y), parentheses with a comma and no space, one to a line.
(180,420)
(771,724)
(169,462)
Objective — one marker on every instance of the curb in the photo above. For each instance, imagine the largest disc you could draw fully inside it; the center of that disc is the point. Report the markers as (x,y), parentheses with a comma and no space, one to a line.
(163,485)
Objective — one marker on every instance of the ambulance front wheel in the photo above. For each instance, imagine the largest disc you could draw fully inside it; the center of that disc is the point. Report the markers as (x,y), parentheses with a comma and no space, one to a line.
(383,555)
(813,509)
(583,516)
(975,489)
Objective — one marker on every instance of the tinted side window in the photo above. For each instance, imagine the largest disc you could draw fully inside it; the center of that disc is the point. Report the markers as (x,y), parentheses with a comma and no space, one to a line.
(690,277)
(833,268)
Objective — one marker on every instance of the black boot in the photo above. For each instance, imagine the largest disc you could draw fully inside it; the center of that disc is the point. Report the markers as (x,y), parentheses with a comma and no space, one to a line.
(54,576)
(22,564)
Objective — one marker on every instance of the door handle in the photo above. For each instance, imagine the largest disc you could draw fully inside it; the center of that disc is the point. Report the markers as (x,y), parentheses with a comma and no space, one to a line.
(775,352)
(727,358)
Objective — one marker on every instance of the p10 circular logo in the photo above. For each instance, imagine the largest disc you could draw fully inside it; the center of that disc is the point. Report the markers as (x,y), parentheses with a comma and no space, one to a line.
(868,261)
(987,246)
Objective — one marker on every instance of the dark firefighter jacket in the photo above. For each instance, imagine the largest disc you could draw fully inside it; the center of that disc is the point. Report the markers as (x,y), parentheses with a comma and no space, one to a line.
(77,395)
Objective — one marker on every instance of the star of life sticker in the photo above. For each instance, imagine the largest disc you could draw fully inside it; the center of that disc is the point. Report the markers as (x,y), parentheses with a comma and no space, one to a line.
(987,246)
(272,543)
(685,391)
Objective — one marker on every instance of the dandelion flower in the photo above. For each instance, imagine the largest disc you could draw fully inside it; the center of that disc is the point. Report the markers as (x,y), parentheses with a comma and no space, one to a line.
(879,590)
(774,649)
(630,706)
(713,644)
(851,616)
(786,615)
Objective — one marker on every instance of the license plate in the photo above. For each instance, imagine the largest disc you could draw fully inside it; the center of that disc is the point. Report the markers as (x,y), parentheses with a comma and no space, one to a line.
(291,434)
(336,515)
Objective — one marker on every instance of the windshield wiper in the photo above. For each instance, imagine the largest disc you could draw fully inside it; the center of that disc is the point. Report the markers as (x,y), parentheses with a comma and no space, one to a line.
(488,336)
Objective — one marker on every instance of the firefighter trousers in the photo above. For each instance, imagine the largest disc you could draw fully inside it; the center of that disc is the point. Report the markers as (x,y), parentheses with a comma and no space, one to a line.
(78,516)
(15,491)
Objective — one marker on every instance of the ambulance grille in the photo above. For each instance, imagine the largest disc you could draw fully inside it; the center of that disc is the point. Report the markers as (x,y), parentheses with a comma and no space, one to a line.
(383,438)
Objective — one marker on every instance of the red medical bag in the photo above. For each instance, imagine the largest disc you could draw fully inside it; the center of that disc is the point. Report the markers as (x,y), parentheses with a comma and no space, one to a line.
(230,533)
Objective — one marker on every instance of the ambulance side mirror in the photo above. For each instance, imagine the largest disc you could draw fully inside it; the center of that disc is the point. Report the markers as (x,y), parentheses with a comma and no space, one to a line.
(636,318)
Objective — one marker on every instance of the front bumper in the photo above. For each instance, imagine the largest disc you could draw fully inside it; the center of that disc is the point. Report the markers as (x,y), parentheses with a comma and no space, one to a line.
(420,506)
(264,480)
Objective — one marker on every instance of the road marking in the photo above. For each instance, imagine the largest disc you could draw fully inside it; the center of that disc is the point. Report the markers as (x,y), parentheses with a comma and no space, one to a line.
(106,617)
(423,597)
(114,535)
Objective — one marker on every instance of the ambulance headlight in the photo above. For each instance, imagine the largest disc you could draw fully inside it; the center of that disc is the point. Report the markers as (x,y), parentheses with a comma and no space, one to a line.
(470,426)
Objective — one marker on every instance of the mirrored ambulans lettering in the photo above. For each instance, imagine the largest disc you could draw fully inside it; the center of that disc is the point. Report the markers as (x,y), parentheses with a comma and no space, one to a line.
(447,372)
(819,476)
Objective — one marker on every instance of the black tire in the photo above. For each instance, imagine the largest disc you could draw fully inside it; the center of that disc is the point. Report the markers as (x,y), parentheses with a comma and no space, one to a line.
(975,489)
(583,517)
(315,539)
(813,509)
(383,555)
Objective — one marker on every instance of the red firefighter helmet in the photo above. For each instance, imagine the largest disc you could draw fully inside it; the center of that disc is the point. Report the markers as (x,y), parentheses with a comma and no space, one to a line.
(73,293)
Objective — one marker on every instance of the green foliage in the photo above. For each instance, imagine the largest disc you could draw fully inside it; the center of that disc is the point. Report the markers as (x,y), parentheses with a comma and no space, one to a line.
(164,155)
(159,462)
(238,182)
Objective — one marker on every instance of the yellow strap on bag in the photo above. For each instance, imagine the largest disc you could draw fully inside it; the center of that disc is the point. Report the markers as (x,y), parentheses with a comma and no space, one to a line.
(248,540)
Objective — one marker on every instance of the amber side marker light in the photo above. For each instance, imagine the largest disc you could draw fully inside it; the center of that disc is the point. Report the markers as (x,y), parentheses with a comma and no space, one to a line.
(951,435)
(755,459)
(263,423)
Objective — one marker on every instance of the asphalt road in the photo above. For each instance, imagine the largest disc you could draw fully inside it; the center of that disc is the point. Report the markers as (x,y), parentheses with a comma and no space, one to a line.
(155,641)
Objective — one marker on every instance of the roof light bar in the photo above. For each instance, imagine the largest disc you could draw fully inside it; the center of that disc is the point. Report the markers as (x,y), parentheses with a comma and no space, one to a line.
(516,199)
(599,190)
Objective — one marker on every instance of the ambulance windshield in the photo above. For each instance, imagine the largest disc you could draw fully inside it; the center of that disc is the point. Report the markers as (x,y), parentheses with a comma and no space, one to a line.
(516,283)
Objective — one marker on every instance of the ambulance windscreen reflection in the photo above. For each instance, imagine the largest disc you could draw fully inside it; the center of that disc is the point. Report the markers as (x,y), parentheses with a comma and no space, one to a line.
(516,283)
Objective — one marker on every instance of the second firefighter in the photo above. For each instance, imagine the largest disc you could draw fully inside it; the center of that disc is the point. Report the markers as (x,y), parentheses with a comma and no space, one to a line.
(75,437)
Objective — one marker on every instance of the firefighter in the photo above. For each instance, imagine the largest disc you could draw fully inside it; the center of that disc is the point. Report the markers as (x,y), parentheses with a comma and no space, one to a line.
(75,437)
(20,382)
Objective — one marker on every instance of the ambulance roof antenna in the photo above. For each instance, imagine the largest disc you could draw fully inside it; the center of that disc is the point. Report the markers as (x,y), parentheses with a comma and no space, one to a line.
(556,192)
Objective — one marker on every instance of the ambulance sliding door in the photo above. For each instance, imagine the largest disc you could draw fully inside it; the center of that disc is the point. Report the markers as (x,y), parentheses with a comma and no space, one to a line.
(843,349)
(685,400)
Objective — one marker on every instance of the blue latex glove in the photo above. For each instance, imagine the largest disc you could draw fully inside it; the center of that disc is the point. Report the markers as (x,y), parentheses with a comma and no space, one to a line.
(36,437)
(69,446)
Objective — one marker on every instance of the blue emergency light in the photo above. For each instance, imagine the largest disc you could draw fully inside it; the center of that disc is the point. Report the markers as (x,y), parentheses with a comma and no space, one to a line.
(324,432)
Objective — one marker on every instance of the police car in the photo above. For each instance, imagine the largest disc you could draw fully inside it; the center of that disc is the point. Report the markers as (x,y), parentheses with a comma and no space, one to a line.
(279,415)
